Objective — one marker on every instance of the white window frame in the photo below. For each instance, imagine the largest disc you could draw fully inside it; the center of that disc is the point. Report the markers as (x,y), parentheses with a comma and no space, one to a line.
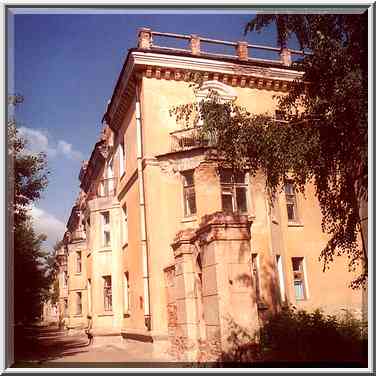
(107,288)
(89,296)
(121,156)
(126,290)
(125,224)
(78,262)
(231,191)
(106,228)
(292,199)
(65,279)
(255,270)
(303,278)
(78,303)
(281,278)
(186,187)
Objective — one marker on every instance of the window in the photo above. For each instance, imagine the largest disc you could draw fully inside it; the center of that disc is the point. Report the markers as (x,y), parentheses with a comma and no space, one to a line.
(291,204)
(65,279)
(89,297)
(121,153)
(256,275)
(280,277)
(189,194)
(125,225)
(234,191)
(280,116)
(65,313)
(126,293)
(298,271)
(106,229)
(78,262)
(78,303)
(107,293)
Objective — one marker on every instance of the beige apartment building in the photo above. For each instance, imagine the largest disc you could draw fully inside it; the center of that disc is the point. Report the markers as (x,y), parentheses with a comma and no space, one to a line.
(162,242)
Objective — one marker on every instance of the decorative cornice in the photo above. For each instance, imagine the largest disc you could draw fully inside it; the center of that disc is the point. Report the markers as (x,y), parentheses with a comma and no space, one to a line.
(254,74)
(172,67)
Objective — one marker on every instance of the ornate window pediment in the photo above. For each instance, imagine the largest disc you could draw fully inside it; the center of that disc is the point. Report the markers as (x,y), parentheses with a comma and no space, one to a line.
(225,92)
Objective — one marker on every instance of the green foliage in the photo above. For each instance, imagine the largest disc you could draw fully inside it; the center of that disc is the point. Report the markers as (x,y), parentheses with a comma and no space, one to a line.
(31,283)
(324,139)
(298,335)
(33,267)
(29,176)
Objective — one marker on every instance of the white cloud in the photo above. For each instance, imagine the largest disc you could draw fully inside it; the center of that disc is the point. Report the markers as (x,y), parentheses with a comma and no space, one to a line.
(39,141)
(66,149)
(47,224)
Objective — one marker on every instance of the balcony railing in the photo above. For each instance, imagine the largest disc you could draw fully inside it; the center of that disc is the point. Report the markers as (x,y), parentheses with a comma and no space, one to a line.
(241,49)
(107,187)
(190,138)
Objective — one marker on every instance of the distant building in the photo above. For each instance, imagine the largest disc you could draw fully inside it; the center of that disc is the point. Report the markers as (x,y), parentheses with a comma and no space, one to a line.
(162,243)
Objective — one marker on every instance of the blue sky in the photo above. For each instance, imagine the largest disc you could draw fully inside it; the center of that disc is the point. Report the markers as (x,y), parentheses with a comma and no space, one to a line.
(66,66)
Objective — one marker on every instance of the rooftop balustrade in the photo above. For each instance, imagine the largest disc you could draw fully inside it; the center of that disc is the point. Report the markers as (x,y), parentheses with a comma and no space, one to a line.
(243,49)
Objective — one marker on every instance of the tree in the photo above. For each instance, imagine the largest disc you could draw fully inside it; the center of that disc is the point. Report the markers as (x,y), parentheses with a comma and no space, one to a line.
(27,180)
(325,137)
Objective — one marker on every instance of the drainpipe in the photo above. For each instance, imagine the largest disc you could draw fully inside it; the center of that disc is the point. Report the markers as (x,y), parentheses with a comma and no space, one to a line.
(144,244)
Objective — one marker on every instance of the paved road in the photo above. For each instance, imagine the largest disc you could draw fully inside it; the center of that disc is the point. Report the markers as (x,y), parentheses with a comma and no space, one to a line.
(50,347)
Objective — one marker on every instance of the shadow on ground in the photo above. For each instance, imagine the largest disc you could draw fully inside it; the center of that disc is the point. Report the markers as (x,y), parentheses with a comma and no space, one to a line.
(40,344)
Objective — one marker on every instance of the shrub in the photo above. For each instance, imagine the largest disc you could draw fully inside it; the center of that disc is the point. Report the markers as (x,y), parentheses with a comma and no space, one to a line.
(297,335)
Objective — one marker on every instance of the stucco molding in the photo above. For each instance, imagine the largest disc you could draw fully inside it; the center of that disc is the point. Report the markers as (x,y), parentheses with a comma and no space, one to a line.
(183,63)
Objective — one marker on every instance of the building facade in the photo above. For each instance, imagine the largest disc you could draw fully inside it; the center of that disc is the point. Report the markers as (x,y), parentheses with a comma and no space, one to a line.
(162,241)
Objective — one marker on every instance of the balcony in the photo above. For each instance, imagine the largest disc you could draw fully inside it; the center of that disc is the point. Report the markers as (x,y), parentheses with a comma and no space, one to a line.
(105,188)
(190,138)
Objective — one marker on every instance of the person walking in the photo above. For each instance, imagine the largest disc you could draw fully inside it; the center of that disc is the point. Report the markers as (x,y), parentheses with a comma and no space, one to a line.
(89,331)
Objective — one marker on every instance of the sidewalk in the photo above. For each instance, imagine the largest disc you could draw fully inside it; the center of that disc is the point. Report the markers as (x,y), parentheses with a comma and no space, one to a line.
(50,347)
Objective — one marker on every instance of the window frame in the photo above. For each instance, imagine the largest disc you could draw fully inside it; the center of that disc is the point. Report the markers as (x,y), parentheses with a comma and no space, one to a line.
(126,294)
(281,277)
(78,262)
(292,199)
(78,303)
(255,271)
(125,232)
(65,279)
(230,188)
(300,275)
(106,228)
(187,194)
(122,161)
(107,293)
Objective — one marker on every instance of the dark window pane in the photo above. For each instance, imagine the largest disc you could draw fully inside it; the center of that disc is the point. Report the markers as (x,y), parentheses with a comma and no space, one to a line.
(289,189)
(188,178)
(241,199)
(227,203)
(290,212)
(297,264)
(239,177)
(191,205)
(107,238)
(225,176)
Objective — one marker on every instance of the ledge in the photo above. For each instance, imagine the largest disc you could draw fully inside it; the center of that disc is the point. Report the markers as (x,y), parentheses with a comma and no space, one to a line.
(192,218)
(105,314)
(143,335)
(104,250)
(293,224)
